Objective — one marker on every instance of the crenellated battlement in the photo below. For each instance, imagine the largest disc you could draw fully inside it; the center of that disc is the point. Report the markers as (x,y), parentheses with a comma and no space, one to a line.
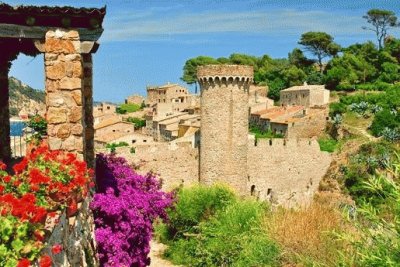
(305,143)
(225,74)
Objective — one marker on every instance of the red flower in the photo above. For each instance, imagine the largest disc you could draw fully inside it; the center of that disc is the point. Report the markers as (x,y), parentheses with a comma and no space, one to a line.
(36,177)
(1,189)
(24,263)
(19,167)
(45,261)
(7,178)
(2,166)
(57,248)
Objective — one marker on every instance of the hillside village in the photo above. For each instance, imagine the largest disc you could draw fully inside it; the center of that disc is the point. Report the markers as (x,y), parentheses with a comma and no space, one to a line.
(275,162)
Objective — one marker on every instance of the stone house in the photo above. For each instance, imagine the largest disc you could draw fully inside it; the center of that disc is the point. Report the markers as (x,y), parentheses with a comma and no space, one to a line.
(104,109)
(307,125)
(174,94)
(135,99)
(305,95)
(112,128)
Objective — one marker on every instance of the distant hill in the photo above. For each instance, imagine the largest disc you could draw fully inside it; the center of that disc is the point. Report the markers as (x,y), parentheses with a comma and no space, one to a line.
(25,99)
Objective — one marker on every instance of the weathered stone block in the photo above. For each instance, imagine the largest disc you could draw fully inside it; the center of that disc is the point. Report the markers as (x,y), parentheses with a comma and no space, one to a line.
(77,129)
(79,144)
(56,71)
(54,100)
(64,131)
(67,83)
(52,86)
(54,143)
(56,115)
(53,45)
(69,143)
(73,57)
(75,114)
(50,56)
(77,96)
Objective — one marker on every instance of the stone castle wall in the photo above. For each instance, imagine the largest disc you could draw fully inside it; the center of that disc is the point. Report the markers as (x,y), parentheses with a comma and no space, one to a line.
(224,124)
(175,165)
(287,172)
(291,169)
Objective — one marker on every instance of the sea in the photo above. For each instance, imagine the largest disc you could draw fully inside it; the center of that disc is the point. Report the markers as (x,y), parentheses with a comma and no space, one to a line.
(17,127)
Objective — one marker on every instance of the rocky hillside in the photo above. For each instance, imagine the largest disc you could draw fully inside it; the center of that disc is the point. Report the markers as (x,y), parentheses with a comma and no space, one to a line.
(24,99)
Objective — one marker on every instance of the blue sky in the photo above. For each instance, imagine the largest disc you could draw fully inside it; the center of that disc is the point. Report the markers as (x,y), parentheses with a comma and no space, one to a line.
(147,42)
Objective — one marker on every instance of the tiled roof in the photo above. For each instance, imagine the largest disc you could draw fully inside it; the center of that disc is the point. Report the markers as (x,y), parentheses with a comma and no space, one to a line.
(304,87)
(52,16)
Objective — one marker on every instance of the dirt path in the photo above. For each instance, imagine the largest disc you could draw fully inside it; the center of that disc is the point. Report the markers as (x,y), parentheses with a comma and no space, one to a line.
(362,132)
(156,251)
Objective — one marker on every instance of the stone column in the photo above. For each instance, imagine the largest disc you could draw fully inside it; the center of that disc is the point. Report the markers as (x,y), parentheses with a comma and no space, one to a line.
(88,109)
(64,91)
(5,149)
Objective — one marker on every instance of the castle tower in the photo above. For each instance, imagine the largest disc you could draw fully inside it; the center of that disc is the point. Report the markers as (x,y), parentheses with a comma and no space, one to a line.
(224,124)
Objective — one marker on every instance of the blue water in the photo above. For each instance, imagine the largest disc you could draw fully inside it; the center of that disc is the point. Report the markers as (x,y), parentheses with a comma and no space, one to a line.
(16,128)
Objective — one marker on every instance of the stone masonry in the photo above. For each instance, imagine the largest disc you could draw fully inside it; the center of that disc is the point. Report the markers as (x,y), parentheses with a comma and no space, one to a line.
(64,83)
(224,124)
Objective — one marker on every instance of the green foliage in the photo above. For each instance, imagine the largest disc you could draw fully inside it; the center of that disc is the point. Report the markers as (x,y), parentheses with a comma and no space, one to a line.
(211,227)
(370,158)
(139,123)
(14,111)
(128,108)
(190,68)
(264,134)
(320,44)
(39,126)
(327,144)
(385,119)
(337,108)
(113,146)
(377,242)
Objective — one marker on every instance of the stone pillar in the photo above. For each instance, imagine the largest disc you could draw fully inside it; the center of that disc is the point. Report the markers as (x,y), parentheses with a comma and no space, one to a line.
(64,91)
(224,125)
(5,149)
(88,111)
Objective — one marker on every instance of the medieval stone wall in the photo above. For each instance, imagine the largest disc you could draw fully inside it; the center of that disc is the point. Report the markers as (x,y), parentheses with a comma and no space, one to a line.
(282,171)
(287,172)
(175,165)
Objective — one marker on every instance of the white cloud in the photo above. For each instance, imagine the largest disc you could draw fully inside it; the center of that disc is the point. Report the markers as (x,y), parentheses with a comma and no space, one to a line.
(152,25)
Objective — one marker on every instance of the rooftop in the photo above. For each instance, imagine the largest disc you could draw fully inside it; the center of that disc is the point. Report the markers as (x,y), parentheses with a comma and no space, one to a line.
(304,87)
(52,16)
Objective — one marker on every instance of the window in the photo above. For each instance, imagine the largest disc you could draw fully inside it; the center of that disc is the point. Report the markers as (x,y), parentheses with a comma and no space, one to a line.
(133,141)
(252,190)
(108,107)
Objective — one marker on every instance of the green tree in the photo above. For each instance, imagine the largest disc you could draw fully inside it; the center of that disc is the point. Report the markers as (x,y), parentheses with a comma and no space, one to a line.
(320,44)
(190,68)
(381,21)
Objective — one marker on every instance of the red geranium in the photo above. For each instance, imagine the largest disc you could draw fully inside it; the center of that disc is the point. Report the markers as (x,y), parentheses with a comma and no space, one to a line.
(57,248)
(2,166)
(45,261)
(24,263)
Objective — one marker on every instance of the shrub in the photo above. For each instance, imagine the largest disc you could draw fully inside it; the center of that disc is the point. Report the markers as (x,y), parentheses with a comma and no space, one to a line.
(39,126)
(211,227)
(327,144)
(139,123)
(113,146)
(124,229)
(128,108)
(337,108)
(377,242)
(384,119)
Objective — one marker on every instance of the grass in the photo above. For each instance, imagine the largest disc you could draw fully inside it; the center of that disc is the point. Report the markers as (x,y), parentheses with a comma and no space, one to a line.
(264,134)
(355,120)
(307,235)
(328,144)
(128,108)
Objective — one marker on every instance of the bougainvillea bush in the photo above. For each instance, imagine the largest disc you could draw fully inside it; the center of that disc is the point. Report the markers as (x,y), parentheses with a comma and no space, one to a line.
(125,206)
(42,183)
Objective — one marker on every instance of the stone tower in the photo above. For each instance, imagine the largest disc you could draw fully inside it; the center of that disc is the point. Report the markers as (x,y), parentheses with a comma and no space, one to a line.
(224,124)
